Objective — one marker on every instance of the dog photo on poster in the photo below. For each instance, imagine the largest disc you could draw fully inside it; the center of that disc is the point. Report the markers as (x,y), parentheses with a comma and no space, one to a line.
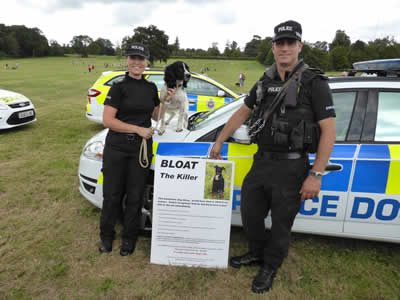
(218,181)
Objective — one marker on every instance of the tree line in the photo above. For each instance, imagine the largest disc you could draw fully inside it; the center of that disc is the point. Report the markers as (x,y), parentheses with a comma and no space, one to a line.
(340,54)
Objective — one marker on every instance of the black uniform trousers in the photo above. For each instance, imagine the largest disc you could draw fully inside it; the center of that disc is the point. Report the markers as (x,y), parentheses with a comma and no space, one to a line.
(122,175)
(272,185)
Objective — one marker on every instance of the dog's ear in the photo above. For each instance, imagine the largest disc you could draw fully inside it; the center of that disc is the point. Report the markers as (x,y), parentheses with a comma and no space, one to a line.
(169,77)
(185,80)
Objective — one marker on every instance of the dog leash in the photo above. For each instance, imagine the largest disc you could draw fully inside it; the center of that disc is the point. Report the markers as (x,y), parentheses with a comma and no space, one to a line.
(143,159)
(155,128)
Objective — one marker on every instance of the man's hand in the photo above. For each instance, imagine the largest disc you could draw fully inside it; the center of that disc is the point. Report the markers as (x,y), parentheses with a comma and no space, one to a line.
(145,132)
(216,151)
(311,187)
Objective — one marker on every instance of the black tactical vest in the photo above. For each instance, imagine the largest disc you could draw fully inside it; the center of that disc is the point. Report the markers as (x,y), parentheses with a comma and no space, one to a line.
(292,126)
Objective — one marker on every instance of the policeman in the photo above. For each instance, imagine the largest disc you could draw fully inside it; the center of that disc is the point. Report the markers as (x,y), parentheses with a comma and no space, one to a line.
(291,114)
(129,107)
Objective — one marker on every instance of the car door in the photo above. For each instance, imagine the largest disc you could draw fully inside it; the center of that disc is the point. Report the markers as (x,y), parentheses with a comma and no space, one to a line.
(373,209)
(325,214)
(204,95)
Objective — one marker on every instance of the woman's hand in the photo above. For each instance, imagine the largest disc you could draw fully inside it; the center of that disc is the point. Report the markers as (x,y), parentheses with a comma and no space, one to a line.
(170,93)
(145,132)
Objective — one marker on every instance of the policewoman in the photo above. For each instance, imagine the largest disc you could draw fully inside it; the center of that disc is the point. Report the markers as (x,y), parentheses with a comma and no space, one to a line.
(291,114)
(128,109)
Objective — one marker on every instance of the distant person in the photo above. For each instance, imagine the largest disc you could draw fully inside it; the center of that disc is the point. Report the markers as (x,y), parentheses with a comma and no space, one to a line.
(344,73)
(93,68)
(242,77)
(89,68)
(7,66)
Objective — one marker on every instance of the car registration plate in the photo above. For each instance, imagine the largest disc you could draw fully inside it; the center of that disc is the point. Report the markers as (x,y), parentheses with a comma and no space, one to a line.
(25,114)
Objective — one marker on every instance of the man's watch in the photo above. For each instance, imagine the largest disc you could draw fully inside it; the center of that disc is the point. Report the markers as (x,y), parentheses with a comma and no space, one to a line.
(317,175)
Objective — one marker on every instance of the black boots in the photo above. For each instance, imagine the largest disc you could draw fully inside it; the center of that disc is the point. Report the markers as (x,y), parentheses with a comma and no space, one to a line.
(105,246)
(263,281)
(127,248)
(245,260)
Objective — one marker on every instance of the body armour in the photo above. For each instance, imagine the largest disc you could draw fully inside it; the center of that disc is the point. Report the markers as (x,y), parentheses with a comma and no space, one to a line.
(291,126)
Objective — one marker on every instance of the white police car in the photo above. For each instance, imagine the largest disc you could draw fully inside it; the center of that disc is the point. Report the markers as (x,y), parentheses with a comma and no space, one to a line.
(15,110)
(361,199)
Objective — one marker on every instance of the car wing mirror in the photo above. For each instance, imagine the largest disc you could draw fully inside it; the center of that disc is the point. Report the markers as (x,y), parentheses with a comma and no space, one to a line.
(241,135)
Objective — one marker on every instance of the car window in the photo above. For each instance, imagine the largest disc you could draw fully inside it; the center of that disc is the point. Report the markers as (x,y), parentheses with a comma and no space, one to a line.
(157,79)
(114,80)
(200,87)
(388,121)
(344,103)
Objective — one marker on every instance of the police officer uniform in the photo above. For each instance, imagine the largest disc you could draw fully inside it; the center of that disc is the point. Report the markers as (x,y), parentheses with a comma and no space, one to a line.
(280,165)
(135,100)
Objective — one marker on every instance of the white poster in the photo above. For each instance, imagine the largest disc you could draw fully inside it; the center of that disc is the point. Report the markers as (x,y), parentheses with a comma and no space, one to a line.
(192,211)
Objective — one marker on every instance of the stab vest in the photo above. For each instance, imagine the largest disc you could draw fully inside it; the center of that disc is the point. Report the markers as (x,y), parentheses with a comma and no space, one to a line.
(292,126)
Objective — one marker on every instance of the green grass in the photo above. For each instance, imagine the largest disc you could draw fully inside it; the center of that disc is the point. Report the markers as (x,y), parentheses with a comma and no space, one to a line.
(49,232)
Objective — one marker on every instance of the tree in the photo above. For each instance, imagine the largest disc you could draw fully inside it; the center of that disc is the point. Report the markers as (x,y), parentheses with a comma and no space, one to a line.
(11,45)
(383,48)
(358,52)
(251,48)
(232,49)
(263,50)
(152,37)
(323,46)
(341,39)
(213,50)
(339,58)
(80,44)
(175,47)
(55,49)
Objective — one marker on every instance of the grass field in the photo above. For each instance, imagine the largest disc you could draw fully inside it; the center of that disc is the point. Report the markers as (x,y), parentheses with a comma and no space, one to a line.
(49,232)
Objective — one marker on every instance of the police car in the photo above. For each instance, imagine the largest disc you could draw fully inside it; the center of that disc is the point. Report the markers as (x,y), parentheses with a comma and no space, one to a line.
(203,93)
(15,110)
(360,194)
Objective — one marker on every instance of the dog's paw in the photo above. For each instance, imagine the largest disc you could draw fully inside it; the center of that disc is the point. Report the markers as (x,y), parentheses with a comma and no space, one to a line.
(161,131)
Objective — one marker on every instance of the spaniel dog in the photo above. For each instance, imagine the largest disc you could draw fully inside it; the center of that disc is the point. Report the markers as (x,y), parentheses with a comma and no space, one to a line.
(177,76)
(218,184)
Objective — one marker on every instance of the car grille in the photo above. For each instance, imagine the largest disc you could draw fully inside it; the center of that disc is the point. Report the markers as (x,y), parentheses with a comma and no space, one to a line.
(14,120)
(88,178)
(19,105)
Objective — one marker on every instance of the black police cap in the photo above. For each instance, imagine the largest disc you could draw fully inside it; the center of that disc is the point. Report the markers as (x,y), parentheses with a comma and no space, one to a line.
(287,30)
(137,49)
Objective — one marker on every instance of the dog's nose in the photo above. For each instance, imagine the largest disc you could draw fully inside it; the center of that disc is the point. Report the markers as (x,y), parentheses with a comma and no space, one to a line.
(187,76)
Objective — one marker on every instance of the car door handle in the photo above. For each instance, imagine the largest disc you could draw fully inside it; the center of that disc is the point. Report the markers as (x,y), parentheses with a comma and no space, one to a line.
(330,167)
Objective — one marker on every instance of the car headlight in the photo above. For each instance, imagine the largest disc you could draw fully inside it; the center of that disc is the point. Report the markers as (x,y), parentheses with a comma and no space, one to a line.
(94,151)
(3,106)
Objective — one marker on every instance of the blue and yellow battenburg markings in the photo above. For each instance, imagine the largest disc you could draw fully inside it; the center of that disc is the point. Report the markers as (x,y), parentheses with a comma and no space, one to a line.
(339,180)
(377,167)
(377,170)
(203,103)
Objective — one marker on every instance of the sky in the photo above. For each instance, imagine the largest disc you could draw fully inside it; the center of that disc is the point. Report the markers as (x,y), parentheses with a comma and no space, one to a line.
(200,23)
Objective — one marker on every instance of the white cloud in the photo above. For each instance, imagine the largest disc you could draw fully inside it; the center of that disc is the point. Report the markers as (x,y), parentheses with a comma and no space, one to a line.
(199,23)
